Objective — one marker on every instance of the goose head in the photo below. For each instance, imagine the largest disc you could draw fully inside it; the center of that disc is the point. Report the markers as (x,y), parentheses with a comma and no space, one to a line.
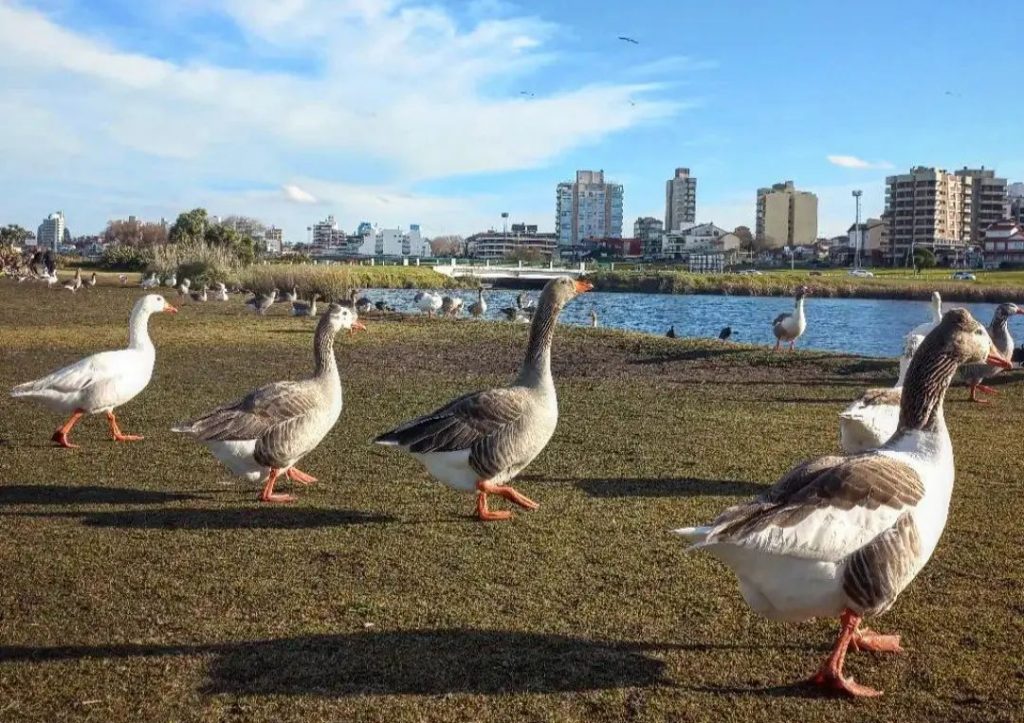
(154,304)
(962,338)
(561,290)
(1005,311)
(801,292)
(340,317)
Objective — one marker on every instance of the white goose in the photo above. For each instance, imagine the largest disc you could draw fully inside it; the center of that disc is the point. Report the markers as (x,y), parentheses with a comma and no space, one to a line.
(101,382)
(921,330)
(429,303)
(844,536)
(150,282)
(871,419)
(267,432)
(220,292)
(790,327)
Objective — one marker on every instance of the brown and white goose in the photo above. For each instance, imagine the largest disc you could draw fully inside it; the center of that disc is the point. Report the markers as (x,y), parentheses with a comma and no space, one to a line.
(999,331)
(843,536)
(790,327)
(479,442)
(267,432)
(479,307)
(301,308)
(202,296)
(261,302)
(75,283)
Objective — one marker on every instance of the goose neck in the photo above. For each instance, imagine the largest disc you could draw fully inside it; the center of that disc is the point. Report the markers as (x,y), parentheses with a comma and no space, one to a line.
(536,369)
(924,391)
(323,350)
(138,330)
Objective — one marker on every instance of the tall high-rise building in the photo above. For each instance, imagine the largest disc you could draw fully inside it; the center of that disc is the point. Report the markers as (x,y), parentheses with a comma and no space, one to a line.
(274,239)
(587,208)
(928,207)
(786,216)
(650,232)
(988,200)
(52,231)
(680,200)
(326,233)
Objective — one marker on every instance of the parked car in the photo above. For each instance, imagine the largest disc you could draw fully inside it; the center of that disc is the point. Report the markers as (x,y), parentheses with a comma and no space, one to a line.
(861,273)
(964,276)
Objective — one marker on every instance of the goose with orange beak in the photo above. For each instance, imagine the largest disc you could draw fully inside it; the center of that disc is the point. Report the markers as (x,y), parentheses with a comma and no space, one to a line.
(479,442)
(101,382)
(266,433)
(843,536)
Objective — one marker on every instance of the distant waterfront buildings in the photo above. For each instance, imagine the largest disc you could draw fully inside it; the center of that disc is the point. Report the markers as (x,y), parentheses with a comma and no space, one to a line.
(786,216)
(987,200)
(587,208)
(53,232)
(326,233)
(699,238)
(1015,202)
(680,200)
(522,239)
(928,207)
(1003,243)
(273,237)
(873,238)
(650,231)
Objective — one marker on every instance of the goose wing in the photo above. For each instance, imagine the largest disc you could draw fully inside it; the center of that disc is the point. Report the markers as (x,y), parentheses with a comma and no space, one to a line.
(781,318)
(486,423)
(78,376)
(824,509)
(263,411)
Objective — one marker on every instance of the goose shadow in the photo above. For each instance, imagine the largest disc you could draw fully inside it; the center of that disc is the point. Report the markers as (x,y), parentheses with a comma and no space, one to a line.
(416,662)
(691,355)
(90,495)
(662,487)
(242,518)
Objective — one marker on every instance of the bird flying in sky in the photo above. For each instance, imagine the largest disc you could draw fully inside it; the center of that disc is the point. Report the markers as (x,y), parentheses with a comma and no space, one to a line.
(629,40)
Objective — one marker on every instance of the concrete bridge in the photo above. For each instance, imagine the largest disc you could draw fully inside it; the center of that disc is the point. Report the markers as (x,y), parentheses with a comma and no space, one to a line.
(509,276)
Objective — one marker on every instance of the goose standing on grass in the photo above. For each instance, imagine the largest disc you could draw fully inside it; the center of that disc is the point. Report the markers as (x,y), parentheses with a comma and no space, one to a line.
(301,308)
(220,292)
(429,303)
(290,296)
(975,374)
(101,382)
(150,282)
(790,327)
(266,433)
(183,287)
(593,319)
(872,419)
(481,441)
(261,302)
(202,295)
(92,280)
(451,306)
(479,307)
(171,281)
(363,305)
(844,536)
(75,283)
(725,334)
(671,333)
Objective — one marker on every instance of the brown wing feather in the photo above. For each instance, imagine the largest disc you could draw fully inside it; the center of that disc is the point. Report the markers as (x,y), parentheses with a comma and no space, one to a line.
(255,414)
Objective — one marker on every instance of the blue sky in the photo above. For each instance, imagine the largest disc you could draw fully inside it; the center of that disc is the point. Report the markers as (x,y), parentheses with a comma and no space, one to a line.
(447,114)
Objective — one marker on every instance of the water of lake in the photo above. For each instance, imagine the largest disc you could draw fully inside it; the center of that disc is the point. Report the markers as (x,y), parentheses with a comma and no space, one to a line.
(872,327)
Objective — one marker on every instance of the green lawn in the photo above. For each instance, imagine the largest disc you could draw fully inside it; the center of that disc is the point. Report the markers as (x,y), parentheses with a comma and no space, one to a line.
(141,582)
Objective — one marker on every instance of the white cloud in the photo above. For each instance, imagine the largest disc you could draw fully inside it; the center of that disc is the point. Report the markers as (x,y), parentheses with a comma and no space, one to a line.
(855,162)
(402,90)
(297,194)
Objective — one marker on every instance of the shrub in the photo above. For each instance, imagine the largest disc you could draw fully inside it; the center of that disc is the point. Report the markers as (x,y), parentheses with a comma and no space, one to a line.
(118,257)
(196,260)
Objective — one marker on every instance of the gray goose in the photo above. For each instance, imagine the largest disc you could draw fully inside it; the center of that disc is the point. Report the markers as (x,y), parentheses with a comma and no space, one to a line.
(843,536)
(290,296)
(479,307)
(267,432)
(75,283)
(480,441)
(301,308)
(261,302)
(202,295)
(451,306)
(975,374)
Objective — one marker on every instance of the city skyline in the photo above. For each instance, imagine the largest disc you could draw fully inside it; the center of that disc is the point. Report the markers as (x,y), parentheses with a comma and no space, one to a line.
(476,109)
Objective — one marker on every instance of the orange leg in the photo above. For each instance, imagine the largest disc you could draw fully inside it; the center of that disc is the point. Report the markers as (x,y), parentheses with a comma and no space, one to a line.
(831,673)
(987,389)
(974,394)
(268,494)
(61,435)
(297,475)
(115,430)
(482,511)
(868,639)
(511,495)
(777,343)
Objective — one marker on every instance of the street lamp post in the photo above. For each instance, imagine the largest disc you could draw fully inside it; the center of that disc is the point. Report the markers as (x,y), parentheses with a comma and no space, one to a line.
(856,227)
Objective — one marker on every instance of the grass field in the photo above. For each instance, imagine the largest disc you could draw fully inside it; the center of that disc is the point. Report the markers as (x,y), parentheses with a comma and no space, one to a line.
(140,582)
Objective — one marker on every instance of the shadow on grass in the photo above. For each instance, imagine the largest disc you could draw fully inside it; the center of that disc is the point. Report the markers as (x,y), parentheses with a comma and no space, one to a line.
(654,487)
(418,662)
(691,355)
(72,495)
(256,518)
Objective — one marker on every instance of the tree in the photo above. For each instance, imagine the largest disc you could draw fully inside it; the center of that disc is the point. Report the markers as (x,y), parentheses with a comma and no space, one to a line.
(447,246)
(924,258)
(190,226)
(14,235)
(133,232)
(746,238)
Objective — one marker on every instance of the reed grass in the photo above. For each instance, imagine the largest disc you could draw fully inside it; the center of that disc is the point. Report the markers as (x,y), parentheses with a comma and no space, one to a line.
(336,281)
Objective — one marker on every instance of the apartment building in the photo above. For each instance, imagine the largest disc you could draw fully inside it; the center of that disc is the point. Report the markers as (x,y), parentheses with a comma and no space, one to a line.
(928,207)
(587,208)
(786,216)
(680,200)
(988,200)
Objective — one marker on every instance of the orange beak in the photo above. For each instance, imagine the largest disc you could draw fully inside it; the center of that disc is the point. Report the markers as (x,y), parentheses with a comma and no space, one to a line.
(170,309)
(357,326)
(1019,311)
(997,360)
(583,286)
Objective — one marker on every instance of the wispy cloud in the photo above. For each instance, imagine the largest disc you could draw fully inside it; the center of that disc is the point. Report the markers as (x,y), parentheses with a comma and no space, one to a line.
(399,91)
(859,163)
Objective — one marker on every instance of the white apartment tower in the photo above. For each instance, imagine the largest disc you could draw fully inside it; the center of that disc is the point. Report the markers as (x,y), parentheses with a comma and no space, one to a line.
(587,208)
(988,200)
(680,200)
(51,231)
(786,216)
(928,207)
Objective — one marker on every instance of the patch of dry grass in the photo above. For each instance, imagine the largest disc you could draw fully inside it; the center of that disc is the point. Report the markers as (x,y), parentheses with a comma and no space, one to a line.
(140,582)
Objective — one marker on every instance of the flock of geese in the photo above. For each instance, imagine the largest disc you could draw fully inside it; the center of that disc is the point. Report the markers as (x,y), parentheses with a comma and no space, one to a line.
(838,536)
